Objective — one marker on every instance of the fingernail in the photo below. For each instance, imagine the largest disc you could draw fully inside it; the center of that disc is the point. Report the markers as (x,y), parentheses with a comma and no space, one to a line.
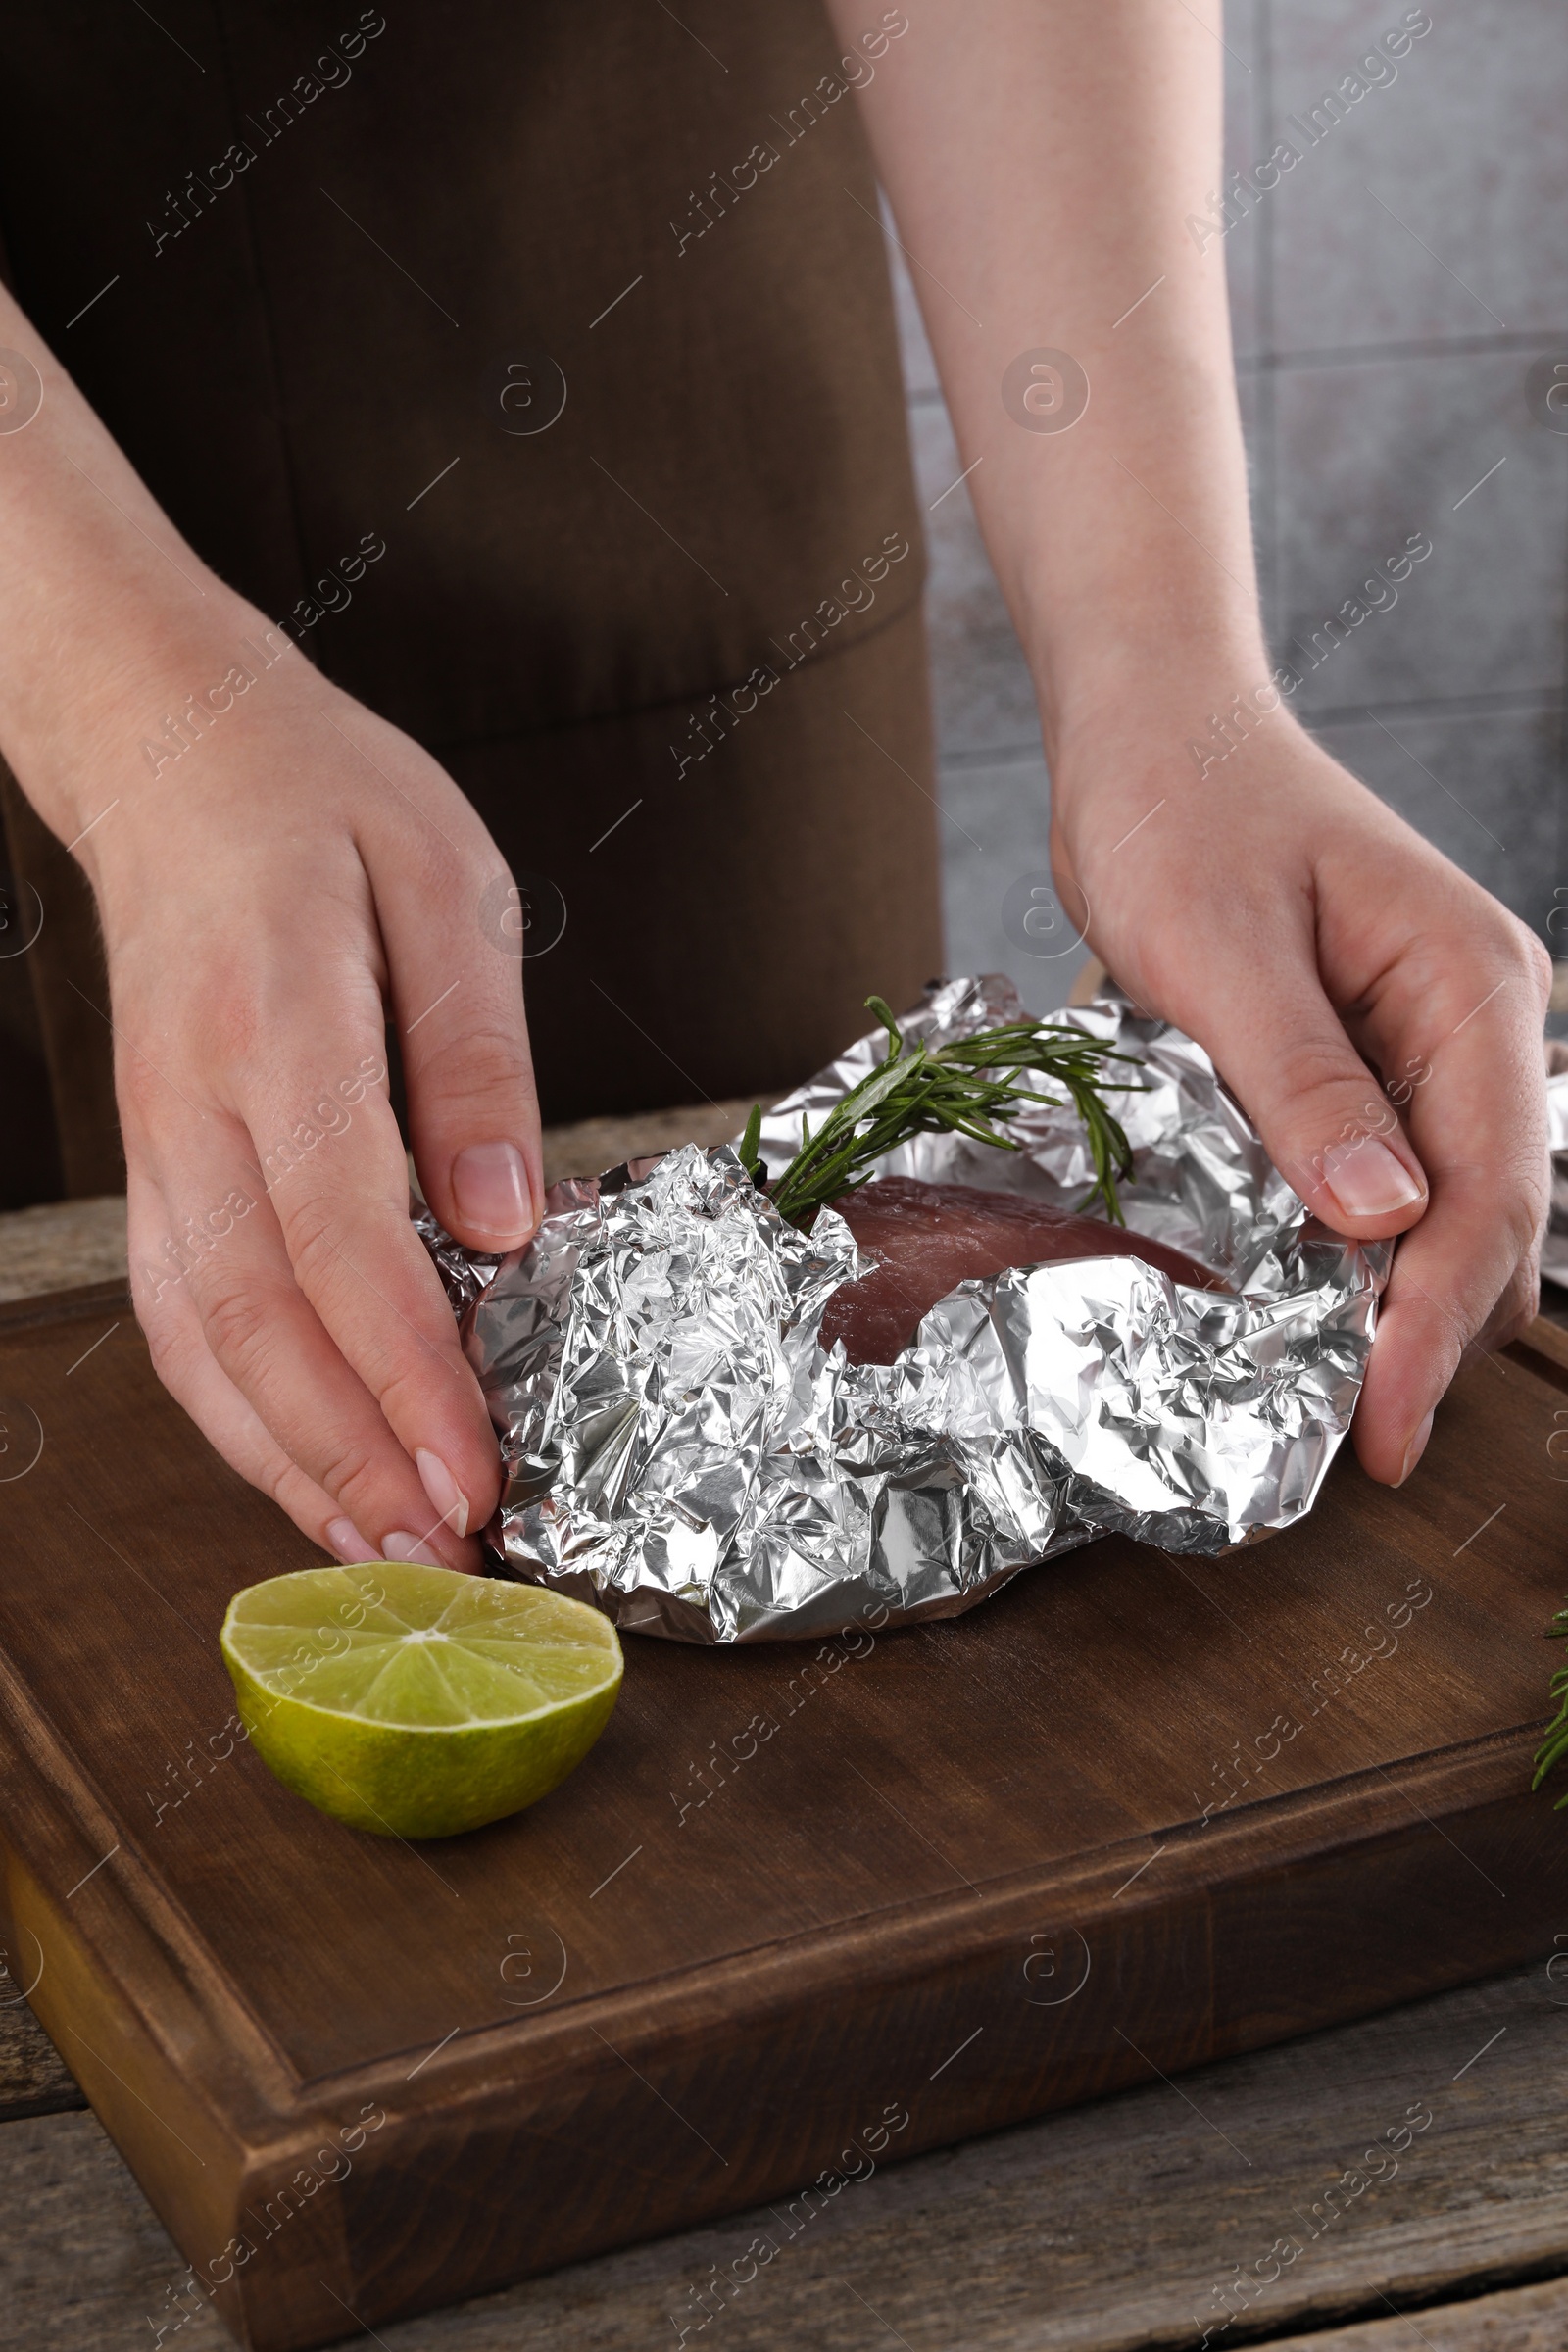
(490,1185)
(348,1543)
(1368,1180)
(443,1489)
(1415,1449)
(401,1545)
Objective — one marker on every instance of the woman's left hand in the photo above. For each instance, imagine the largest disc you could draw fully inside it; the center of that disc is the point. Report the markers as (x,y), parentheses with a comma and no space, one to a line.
(1376,1012)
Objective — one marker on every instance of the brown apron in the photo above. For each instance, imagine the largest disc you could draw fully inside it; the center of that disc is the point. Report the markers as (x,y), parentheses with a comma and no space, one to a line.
(579,317)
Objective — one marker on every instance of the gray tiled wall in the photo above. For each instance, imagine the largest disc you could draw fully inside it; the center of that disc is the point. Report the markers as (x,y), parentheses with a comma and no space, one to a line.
(1399,301)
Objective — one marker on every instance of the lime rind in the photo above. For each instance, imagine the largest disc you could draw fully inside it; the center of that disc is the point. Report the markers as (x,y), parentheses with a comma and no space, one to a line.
(415,1701)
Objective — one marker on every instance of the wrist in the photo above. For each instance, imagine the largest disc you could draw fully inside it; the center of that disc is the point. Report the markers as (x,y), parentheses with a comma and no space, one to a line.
(1155,702)
(124,706)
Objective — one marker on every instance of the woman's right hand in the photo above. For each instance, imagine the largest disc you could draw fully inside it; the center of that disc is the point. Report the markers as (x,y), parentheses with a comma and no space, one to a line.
(270,896)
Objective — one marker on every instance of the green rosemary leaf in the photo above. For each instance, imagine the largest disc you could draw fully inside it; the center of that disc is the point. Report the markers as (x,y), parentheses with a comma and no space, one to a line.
(961,1089)
(1554,1747)
(751,1138)
(889,1020)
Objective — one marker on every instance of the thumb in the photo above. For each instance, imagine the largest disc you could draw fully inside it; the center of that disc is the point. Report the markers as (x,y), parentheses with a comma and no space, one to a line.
(1324,1121)
(473,1114)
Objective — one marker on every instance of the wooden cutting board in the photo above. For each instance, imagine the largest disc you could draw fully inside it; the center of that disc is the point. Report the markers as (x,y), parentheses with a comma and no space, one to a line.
(803,1910)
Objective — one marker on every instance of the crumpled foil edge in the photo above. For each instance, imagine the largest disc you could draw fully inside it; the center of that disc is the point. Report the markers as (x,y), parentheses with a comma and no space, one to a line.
(680,1451)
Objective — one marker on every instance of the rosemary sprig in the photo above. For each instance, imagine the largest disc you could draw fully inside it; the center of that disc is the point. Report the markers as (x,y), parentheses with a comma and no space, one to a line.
(1554,1747)
(960,1089)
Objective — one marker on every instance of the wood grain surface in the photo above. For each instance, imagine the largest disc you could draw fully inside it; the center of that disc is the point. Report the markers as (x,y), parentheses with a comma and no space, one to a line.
(58,1244)
(34,2079)
(613,2016)
(1107,2227)
(1530,2319)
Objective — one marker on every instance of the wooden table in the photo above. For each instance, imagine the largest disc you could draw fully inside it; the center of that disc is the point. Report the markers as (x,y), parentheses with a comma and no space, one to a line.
(1111,2227)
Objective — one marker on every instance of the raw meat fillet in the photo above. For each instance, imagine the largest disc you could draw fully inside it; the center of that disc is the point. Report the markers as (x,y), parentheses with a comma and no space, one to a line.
(928,1237)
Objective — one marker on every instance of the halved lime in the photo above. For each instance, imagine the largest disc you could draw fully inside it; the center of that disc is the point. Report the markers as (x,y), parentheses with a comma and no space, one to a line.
(415,1701)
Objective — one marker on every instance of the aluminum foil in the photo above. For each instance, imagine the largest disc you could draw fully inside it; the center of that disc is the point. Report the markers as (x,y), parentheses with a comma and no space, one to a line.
(680,1450)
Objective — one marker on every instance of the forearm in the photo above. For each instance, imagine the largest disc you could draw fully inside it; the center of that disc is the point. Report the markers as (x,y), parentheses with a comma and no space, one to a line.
(107,617)
(1042,162)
